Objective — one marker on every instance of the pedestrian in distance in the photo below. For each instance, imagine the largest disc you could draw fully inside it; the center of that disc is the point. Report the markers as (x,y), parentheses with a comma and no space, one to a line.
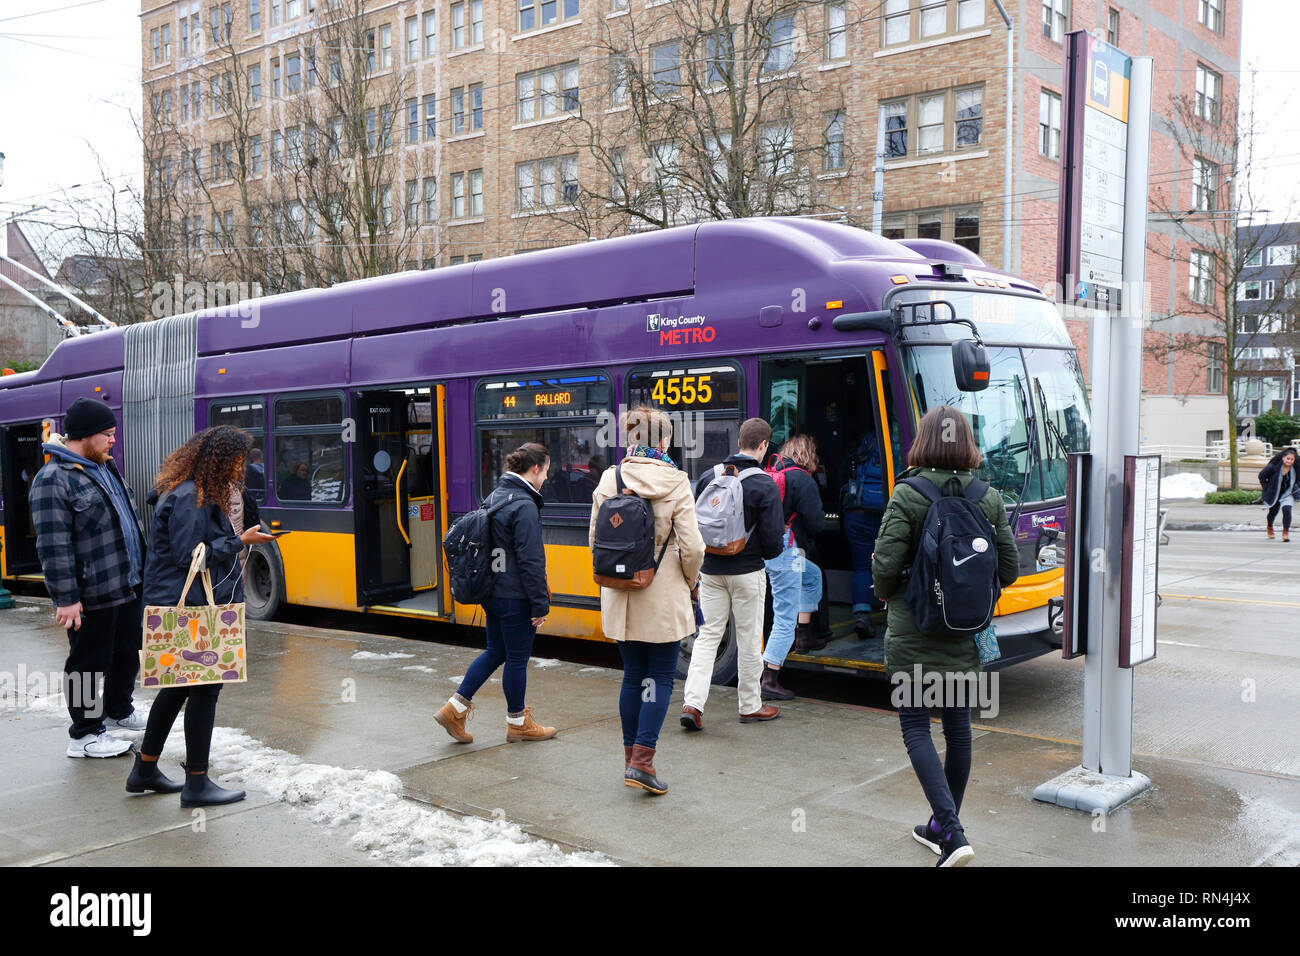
(91,546)
(519,602)
(649,624)
(794,577)
(1280,486)
(199,500)
(734,578)
(944,452)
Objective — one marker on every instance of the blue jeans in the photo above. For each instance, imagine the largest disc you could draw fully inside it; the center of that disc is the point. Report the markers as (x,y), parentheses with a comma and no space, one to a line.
(944,785)
(796,588)
(648,672)
(510,634)
(861,528)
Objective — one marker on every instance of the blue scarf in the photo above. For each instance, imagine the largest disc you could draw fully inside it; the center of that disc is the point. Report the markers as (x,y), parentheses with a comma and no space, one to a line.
(645,451)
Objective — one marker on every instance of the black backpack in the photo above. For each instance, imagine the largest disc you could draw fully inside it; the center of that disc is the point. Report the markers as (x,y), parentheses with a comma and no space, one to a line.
(468,547)
(623,550)
(953,584)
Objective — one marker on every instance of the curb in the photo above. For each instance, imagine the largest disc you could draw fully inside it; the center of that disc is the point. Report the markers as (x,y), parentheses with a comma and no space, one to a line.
(1207,526)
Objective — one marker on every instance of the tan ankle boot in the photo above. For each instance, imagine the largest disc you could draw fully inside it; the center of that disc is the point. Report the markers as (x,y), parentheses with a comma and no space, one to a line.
(529,730)
(454,723)
(1270,532)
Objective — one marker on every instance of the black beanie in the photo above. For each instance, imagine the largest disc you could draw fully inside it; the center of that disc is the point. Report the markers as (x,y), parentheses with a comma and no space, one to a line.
(87,417)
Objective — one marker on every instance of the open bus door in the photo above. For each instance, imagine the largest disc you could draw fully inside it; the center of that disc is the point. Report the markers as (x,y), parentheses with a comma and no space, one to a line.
(20,458)
(399,502)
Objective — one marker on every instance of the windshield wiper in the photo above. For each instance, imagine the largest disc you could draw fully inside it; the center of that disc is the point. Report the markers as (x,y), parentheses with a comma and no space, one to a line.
(1047,419)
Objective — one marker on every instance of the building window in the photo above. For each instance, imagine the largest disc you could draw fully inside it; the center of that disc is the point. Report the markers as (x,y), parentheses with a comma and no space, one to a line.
(966,228)
(665,62)
(898,22)
(430,116)
(386,46)
(370,51)
(833,157)
(618,174)
(227,21)
(476,106)
(255,83)
(970,117)
(1056,18)
(541,13)
(1049,124)
(166,41)
(546,183)
(780,55)
(457,111)
(275,79)
(1200,277)
(185,36)
(1210,13)
(412,39)
(1205,177)
(618,72)
(934,18)
(776,147)
(929,124)
(720,56)
(370,130)
(476,192)
(412,121)
(895,129)
(412,203)
(1255,258)
(293,73)
(475,21)
(970,14)
(156,43)
(1112,26)
(457,195)
(385,126)
(430,33)
(255,155)
(836,32)
(663,162)
(1283,255)
(430,199)
(1249,291)
(1209,86)
(929,225)
(459,28)
(254,15)
(547,92)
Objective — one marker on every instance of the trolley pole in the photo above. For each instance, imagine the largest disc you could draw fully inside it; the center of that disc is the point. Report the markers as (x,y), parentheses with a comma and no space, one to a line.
(1106,779)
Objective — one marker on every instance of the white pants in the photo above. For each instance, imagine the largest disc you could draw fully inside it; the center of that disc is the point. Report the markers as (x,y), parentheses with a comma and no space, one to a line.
(723,596)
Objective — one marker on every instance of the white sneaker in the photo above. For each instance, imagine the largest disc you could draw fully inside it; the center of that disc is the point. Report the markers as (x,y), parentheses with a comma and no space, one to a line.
(134,721)
(98,745)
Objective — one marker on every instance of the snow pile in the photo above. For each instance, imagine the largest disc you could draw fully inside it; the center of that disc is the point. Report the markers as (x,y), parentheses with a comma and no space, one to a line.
(1185,485)
(372,656)
(545,662)
(30,608)
(389,827)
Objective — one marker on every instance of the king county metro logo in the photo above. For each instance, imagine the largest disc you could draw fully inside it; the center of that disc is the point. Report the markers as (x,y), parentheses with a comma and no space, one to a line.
(652,322)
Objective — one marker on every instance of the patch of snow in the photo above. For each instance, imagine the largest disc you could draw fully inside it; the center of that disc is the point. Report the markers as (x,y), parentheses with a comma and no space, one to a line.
(591,670)
(372,656)
(419,667)
(545,662)
(1185,485)
(457,679)
(29,608)
(388,826)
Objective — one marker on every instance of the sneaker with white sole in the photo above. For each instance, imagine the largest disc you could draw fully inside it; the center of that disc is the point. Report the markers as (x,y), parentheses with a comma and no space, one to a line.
(98,745)
(925,835)
(134,721)
(955,851)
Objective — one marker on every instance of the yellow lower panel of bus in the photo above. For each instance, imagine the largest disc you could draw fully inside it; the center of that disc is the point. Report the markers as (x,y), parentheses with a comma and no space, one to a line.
(4,555)
(568,572)
(320,569)
(1031,591)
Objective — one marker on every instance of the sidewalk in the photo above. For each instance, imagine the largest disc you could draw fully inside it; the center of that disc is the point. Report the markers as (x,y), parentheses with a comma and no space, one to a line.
(1193,515)
(824,784)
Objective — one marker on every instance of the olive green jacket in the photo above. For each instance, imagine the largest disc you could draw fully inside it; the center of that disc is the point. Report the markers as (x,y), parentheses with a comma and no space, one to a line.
(896,545)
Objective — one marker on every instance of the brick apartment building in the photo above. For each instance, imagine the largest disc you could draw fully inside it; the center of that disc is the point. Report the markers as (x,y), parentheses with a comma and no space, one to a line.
(1268,310)
(481,166)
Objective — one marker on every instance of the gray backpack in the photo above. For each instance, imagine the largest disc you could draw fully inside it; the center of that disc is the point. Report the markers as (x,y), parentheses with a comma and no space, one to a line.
(720,511)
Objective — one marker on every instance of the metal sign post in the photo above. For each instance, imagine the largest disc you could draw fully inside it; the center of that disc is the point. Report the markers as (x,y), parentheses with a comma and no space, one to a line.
(1105,779)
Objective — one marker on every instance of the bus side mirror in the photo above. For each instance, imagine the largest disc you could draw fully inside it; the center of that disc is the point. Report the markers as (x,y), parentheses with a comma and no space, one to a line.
(970,365)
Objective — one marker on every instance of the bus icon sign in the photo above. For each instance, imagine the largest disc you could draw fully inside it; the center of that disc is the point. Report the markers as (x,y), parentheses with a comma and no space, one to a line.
(652,323)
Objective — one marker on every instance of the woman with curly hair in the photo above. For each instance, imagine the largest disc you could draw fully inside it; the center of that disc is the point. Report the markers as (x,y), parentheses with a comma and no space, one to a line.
(200,500)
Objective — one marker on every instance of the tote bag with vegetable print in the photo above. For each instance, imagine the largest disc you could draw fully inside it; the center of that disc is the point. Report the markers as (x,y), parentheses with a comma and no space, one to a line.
(194,645)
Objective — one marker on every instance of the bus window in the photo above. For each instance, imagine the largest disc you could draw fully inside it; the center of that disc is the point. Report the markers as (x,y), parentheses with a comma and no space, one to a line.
(783,406)
(1060,401)
(704,403)
(564,413)
(309,463)
(419,444)
(250,415)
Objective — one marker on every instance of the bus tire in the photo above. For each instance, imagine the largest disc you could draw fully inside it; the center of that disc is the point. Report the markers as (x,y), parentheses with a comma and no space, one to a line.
(263,582)
(724,665)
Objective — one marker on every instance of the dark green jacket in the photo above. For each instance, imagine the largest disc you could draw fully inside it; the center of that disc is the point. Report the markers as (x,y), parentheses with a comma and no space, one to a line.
(896,544)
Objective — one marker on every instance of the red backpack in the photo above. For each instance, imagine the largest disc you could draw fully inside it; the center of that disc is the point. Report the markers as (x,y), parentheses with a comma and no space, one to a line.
(778,475)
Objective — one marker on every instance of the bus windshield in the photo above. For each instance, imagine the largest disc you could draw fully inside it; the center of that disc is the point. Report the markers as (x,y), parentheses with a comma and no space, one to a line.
(1000,317)
(1034,394)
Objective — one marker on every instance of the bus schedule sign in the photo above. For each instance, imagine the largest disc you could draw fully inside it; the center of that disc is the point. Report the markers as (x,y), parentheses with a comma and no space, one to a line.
(1093,171)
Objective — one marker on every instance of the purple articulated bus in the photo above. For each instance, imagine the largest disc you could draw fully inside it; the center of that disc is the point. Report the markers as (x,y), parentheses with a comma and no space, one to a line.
(382,409)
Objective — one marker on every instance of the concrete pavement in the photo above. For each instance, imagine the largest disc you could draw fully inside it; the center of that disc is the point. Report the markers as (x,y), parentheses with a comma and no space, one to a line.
(1192,515)
(826,783)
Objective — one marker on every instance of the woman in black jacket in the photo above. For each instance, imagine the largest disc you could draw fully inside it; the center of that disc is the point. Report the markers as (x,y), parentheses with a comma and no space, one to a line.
(519,603)
(200,489)
(796,581)
(1281,487)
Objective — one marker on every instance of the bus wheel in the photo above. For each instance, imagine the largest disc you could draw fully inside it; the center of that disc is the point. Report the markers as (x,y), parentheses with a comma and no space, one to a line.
(263,583)
(724,664)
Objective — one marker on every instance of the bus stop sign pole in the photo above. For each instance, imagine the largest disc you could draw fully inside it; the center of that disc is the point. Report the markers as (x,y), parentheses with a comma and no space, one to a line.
(1105,779)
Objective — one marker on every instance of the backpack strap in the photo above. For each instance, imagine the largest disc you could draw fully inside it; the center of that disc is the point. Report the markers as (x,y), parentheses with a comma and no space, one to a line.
(750,471)
(664,549)
(976,490)
(923,485)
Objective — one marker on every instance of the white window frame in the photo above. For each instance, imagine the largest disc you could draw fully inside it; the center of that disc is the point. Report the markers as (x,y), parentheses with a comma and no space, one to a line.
(1200,277)
(837,31)
(1209,93)
(897,22)
(541,94)
(1056,19)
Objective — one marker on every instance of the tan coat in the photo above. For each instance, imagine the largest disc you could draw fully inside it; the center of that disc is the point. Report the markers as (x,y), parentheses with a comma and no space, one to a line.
(661,613)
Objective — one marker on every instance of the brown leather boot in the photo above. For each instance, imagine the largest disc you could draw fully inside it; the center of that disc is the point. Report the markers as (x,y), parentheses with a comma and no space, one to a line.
(627,756)
(1286,535)
(766,712)
(529,730)
(454,723)
(1270,532)
(640,772)
(804,640)
(770,688)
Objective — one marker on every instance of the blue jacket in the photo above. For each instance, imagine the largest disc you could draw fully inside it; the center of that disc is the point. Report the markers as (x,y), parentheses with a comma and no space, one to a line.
(81,538)
(178,525)
(517,531)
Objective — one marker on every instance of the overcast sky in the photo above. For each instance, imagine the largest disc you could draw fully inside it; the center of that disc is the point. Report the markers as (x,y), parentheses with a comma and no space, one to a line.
(70,71)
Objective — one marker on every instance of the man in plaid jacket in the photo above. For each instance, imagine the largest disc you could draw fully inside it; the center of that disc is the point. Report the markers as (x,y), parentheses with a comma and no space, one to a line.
(91,545)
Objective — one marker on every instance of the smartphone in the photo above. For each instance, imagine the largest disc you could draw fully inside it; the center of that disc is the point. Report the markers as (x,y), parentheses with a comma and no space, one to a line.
(272,532)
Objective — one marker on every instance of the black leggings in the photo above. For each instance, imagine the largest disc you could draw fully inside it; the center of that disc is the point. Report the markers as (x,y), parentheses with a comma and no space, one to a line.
(945,784)
(200,717)
(1286,515)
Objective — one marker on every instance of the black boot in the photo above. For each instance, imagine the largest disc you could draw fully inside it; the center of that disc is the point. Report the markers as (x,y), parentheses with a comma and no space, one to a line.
(770,688)
(200,791)
(145,775)
(804,640)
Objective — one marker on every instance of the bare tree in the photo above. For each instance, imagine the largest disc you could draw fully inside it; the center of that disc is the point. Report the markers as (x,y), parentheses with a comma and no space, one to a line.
(1216,139)
(704,112)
